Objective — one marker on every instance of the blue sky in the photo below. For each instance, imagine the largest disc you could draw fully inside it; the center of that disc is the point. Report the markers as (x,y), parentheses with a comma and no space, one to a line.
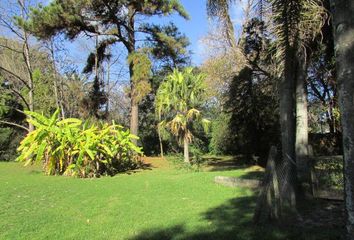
(195,28)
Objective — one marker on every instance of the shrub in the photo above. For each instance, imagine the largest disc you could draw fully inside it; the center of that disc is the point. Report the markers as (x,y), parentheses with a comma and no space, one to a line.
(327,144)
(221,136)
(74,148)
(197,154)
(9,141)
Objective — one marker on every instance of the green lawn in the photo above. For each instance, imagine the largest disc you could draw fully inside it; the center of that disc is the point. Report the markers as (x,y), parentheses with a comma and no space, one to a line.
(161,203)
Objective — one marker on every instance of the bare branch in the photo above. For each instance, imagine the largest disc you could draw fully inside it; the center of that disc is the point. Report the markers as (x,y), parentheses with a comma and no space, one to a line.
(21,96)
(15,75)
(14,124)
(11,49)
(11,28)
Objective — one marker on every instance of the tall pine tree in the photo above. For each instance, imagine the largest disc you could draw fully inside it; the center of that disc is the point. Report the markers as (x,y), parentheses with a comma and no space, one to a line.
(117,21)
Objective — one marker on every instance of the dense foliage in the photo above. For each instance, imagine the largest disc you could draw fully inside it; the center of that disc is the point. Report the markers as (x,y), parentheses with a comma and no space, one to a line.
(115,22)
(178,101)
(10,135)
(75,148)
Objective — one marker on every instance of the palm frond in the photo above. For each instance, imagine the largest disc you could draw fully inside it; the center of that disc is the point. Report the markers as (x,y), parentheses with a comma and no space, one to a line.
(220,9)
(296,22)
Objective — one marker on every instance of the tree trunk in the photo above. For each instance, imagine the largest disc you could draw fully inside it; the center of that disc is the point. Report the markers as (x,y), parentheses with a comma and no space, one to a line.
(62,99)
(301,140)
(134,114)
(56,95)
(160,141)
(134,120)
(331,120)
(134,111)
(58,99)
(26,56)
(287,122)
(186,150)
(108,90)
(343,12)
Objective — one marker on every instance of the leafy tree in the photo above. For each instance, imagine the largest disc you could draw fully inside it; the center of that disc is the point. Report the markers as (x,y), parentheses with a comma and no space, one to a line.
(321,80)
(164,59)
(117,21)
(249,108)
(343,12)
(23,37)
(152,141)
(222,137)
(177,103)
(251,94)
(14,91)
(11,120)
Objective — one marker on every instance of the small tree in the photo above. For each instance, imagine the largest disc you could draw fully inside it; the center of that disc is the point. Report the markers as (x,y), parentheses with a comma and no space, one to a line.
(177,101)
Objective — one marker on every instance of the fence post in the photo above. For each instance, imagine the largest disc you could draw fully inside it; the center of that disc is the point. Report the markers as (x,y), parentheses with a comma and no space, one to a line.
(314,180)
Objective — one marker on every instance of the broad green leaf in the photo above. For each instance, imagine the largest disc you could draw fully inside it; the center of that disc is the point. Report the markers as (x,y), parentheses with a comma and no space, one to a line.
(40,151)
(90,153)
(71,121)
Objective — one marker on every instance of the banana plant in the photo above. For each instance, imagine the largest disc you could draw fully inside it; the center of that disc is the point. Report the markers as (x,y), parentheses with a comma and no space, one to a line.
(76,148)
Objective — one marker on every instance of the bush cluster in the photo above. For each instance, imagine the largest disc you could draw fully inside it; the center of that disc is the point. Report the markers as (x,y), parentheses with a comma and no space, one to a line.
(9,141)
(72,147)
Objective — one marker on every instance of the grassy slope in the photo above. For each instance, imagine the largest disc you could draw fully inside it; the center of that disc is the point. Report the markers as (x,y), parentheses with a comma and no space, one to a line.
(162,203)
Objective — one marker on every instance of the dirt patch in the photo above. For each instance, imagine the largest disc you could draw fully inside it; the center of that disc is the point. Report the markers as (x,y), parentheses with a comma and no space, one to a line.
(156,162)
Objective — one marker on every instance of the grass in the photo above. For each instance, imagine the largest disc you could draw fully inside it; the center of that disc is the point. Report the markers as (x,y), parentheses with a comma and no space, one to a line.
(160,203)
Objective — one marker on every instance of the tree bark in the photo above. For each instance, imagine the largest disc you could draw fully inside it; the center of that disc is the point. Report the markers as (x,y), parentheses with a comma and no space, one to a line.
(134,114)
(301,140)
(26,56)
(134,109)
(160,141)
(134,120)
(108,90)
(186,150)
(58,99)
(287,122)
(343,17)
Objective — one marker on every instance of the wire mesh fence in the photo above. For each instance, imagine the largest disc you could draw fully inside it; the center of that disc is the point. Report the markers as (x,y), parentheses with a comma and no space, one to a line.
(327,177)
(277,189)
(277,192)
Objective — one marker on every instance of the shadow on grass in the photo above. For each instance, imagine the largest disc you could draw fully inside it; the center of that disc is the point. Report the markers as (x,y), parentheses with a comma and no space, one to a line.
(142,167)
(254,175)
(36,172)
(226,163)
(146,166)
(233,220)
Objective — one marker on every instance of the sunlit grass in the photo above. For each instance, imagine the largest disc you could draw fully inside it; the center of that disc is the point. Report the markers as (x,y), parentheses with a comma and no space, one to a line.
(163,203)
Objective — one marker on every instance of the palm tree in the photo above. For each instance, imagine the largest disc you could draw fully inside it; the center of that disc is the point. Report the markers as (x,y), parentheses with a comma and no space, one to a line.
(344,45)
(286,16)
(177,101)
(220,9)
(296,22)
